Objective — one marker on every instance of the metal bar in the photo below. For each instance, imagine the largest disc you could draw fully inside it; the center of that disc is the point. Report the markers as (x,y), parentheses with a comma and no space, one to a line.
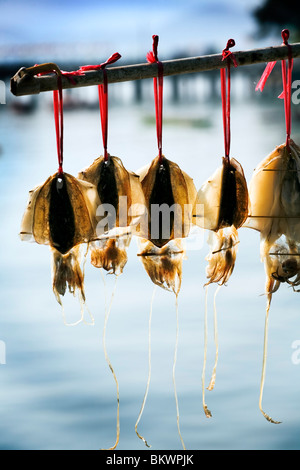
(25,83)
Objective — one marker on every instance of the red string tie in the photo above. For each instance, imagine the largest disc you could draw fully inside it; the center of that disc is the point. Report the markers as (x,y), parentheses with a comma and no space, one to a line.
(225,94)
(71,74)
(103,96)
(59,122)
(158,92)
(68,75)
(227,54)
(58,114)
(58,109)
(286,71)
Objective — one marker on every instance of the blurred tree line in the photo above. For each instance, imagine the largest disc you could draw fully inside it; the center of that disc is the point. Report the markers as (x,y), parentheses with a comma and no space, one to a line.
(279,14)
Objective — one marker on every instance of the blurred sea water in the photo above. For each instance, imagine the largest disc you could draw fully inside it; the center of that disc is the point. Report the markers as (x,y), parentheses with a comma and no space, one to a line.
(56,390)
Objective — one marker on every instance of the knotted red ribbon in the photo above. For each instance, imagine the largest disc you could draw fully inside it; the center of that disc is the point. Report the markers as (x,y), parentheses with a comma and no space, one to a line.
(286,70)
(103,96)
(58,106)
(70,75)
(225,94)
(158,93)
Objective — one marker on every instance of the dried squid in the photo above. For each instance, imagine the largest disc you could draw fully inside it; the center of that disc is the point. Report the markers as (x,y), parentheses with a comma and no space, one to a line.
(169,195)
(274,192)
(121,204)
(223,200)
(60,213)
(221,207)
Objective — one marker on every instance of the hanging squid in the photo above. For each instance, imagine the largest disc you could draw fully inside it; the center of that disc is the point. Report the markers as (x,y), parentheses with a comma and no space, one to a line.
(60,213)
(169,198)
(275,200)
(221,207)
(275,210)
(223,204)
(121,205)
(120,194)
(223,198)
(169,194)
(274,192)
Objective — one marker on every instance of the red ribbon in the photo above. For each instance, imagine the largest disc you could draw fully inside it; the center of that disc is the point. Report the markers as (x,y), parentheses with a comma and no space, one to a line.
(158,93)
(58,115)
(261,84)
(113,58)
(70,75)
(286,70)
(103,96)
(225,94)
(58,110)
(59,123)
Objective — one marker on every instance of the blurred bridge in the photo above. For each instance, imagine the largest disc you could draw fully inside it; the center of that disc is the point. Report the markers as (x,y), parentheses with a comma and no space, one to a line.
(193,87)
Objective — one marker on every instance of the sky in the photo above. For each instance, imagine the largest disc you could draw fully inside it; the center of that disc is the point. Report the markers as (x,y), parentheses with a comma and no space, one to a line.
(79,28)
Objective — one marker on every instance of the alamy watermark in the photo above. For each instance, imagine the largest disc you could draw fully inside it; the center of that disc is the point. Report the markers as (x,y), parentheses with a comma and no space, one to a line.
(2,352)
(296,93)
(2,92)
(163,221)
(296,353)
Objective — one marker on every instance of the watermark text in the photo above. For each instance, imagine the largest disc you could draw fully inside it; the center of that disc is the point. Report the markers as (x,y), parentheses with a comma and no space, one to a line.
(296,93)
(2,352)
(2,92)
(296,353)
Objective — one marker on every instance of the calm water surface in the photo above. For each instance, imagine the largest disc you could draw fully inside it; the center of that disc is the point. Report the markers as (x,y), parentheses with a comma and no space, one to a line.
(56,390)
